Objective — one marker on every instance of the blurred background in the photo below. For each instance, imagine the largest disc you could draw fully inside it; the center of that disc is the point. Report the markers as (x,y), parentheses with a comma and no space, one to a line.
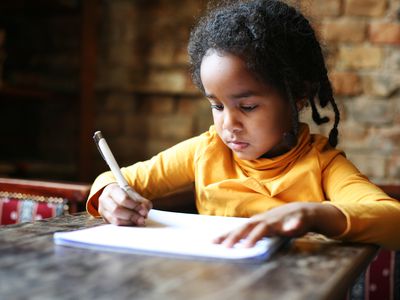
(70,67)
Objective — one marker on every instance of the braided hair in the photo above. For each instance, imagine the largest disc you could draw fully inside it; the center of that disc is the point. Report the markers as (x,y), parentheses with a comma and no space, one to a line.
(278,45)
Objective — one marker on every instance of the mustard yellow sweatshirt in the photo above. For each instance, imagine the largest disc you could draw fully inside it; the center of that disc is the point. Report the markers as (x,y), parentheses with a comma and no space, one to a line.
(228,186)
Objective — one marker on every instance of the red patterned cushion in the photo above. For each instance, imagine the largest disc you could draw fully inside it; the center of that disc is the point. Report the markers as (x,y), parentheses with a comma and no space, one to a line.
(381,281)
(381,276)
(13,210)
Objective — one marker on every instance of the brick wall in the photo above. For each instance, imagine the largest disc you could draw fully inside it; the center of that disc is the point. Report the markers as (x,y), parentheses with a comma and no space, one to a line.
(362,39)
(147,103)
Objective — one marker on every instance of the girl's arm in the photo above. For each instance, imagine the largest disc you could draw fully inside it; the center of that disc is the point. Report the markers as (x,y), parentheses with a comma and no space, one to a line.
(356,210)
(372,216)
(165,172)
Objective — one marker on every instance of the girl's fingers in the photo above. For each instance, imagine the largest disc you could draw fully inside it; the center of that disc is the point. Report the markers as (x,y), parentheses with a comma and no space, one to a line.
(118,212)
(136,202)
(130,199)
(145,207)
(258,232)
(291,225)
(120,215)
(122,198)
(123,216)
(137,219)
(118,198)
(235,236)
(110,218)
(220,239)
(142,207)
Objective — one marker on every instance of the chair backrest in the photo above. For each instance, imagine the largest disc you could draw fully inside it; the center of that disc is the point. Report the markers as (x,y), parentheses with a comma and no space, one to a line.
(23,200)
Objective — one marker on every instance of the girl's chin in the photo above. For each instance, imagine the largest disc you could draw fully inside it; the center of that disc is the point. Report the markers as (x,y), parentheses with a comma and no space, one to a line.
(245,156)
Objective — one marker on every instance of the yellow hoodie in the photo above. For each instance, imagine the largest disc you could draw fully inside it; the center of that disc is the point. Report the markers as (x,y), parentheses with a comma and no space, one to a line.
(228,186)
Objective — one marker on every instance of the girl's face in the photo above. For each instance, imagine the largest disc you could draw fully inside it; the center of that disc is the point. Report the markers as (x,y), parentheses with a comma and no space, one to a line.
(249,116)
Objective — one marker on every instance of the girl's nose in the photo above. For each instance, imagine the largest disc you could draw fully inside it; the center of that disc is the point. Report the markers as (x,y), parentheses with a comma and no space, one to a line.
(231,121)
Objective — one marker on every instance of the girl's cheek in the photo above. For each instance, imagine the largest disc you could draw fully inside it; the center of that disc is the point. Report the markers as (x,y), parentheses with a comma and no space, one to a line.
(217,119)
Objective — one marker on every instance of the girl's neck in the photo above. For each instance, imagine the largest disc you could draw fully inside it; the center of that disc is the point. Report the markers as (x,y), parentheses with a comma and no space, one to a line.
(289,140)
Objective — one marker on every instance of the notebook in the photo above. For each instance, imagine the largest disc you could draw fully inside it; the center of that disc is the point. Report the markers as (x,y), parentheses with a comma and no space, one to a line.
(171,234)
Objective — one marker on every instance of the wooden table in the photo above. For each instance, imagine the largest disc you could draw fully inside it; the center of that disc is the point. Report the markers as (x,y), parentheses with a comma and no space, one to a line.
(33,267)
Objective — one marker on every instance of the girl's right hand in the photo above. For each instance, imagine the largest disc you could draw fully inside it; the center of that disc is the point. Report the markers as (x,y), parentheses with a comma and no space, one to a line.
(117,208)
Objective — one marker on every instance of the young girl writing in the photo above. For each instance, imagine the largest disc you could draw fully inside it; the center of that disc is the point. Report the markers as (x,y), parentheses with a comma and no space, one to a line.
(259,64)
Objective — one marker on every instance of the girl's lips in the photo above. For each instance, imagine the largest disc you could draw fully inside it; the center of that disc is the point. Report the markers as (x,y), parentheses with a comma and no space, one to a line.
(238,146)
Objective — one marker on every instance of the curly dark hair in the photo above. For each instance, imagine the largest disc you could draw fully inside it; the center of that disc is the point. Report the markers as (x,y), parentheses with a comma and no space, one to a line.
(278,45)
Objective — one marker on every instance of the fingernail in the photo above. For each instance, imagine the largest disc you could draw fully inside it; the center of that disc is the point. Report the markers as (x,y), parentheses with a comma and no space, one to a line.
(143,212)
(227,244)
(140,221)
(247,244)
(217,240)
(290,224)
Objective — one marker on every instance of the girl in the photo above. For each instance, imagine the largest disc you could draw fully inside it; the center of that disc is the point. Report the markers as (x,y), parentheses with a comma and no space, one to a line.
(259,64)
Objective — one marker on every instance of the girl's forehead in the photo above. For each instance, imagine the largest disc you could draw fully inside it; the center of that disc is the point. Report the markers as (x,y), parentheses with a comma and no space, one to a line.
(216,64)
(229,71)
(215,52)
(217,57)
(225,62)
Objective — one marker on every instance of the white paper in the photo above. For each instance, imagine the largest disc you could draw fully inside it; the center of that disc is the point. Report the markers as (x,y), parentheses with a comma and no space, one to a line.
(170,233)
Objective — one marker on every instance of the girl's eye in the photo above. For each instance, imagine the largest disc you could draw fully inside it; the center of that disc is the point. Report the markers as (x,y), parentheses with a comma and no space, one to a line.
(248,108)
(217,106)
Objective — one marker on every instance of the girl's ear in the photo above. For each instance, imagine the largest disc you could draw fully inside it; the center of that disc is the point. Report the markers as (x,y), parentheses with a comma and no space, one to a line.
(301,103)
(309,89)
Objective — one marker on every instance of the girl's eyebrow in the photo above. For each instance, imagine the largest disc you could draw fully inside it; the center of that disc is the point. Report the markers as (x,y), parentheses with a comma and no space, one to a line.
(243,94)
(210,96)
(237,96)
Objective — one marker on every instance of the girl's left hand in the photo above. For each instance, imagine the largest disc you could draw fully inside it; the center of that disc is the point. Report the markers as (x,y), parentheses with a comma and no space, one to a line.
(289,220)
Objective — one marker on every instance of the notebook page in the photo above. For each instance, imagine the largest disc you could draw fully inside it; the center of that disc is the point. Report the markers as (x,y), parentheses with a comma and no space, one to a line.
(170,233)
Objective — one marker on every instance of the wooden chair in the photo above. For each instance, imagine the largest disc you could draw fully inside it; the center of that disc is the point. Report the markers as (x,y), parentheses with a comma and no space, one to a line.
(382,278)
(24,200)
